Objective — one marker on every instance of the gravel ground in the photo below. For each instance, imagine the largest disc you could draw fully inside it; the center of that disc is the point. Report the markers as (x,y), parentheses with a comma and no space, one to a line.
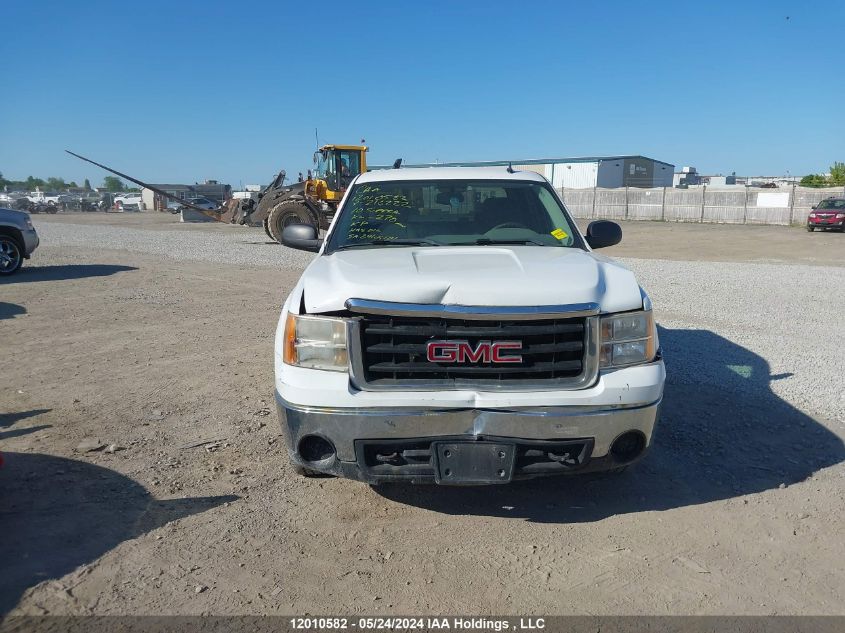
(238,246)
(143,336)
(788,315)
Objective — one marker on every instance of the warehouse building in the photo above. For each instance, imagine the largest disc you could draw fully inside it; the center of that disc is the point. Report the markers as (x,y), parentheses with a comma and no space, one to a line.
(584,172)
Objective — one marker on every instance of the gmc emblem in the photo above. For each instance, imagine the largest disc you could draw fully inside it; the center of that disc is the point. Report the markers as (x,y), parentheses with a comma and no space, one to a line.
(464,352)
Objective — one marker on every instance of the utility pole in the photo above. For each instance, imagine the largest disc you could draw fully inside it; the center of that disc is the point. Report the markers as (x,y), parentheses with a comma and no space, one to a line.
(792,205)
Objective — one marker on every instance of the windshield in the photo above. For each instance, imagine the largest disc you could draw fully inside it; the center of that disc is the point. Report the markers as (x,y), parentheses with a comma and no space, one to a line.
(452,212)
(832,204)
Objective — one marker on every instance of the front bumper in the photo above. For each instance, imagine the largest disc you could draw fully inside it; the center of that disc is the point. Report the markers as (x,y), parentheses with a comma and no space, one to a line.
(363,437)
(30,240)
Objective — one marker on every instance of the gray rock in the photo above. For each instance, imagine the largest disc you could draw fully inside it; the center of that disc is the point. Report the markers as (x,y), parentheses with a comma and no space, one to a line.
(90,444)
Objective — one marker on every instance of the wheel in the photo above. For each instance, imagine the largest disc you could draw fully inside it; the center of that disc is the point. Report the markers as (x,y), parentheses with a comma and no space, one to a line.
(284,214)
(810,229)
(307,472)
(11,255)
(267,229)
(52,209)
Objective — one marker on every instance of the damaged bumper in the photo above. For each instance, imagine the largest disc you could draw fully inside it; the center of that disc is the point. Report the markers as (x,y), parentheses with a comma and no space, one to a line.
(465,445)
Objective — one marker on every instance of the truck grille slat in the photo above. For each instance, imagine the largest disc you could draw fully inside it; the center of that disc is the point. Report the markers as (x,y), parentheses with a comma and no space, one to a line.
(426,368)
(443,330)
(419,348)
(393,350)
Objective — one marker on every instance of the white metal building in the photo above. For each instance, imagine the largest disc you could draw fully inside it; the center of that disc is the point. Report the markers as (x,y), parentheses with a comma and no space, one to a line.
(584,172)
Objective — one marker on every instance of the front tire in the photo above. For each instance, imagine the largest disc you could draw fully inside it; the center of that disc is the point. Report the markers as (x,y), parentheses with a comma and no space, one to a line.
(284,214)
(810,229)
(11,255)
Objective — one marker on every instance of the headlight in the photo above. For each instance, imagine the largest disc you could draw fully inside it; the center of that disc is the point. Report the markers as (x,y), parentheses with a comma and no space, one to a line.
(812,215)
(315,342)
(840,216)
(627,339)
(29,224)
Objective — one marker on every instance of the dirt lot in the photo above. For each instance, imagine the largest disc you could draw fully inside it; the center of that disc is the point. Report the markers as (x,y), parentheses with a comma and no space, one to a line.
(130,330)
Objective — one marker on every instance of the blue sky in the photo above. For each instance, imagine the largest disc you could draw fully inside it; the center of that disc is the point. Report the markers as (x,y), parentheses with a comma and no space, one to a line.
(183,91)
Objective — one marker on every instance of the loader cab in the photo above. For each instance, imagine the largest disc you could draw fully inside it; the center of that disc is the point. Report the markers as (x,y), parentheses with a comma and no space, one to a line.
(337,165)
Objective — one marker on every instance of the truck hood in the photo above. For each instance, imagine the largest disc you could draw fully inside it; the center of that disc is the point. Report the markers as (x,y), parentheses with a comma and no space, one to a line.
(470,276)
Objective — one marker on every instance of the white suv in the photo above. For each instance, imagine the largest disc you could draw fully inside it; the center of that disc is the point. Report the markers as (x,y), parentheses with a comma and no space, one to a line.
(128,201)
(455,327)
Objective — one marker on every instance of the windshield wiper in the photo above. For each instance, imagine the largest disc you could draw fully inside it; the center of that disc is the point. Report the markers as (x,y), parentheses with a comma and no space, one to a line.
(401,242)
(486,241)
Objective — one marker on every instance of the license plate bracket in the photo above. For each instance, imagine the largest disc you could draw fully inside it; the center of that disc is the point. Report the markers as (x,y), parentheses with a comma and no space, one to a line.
(466,463)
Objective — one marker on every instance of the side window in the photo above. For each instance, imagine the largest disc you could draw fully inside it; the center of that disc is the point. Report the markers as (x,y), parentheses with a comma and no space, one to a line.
(349,163)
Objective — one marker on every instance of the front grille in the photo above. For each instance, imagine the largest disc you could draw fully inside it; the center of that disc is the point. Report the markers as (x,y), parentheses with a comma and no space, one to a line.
(393,350)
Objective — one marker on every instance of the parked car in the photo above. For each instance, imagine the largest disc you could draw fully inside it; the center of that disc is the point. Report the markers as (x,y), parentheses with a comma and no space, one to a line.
(455,327)
(46,197)
(9,199)
(827,214)
(203,203)
(174,206)
(128,201)
(18,239)
(25,204)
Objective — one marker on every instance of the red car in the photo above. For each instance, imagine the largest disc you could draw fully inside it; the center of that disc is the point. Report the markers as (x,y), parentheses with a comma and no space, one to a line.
(828,214)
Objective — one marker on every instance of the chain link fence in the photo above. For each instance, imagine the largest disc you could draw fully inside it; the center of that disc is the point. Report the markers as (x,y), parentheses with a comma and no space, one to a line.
(746,205)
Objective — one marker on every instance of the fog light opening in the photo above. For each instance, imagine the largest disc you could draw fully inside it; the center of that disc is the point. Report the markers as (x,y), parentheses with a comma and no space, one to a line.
(313,448)
(627,446)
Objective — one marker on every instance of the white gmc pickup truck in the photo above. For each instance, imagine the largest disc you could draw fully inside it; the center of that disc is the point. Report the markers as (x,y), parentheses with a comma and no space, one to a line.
(456,327)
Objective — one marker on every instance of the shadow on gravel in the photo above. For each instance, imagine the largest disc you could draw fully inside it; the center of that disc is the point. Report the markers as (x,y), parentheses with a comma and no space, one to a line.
(8,419)
(57,514)
(7,435)
(10,310)
(67,271)
(723,433)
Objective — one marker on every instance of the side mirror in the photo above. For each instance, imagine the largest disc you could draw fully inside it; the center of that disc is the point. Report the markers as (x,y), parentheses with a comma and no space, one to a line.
(602,233)
(302,237)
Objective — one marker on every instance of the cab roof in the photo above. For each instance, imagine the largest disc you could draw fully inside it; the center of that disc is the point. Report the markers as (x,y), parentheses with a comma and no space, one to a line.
(448,173)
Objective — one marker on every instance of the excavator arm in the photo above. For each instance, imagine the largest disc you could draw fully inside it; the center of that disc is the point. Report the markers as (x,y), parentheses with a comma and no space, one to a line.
(221,214)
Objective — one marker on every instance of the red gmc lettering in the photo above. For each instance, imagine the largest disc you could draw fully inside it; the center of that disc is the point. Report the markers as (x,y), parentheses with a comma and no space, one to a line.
(464,352)
(441,352)
(498,347)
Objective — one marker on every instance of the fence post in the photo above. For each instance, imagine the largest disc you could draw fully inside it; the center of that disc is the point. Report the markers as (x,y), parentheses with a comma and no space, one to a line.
(626,202)
(703,196)
(663,207)
(594,200)
(745,207)
(792,205)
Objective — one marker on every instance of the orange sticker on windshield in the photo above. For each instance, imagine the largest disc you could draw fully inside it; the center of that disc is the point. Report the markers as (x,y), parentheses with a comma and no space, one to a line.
(559,234)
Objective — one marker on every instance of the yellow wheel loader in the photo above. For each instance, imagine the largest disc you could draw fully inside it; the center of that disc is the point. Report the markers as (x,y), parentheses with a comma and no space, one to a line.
(313,201)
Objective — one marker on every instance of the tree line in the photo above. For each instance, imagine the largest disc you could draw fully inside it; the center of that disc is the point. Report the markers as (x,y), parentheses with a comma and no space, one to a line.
(835,179)
(110,183)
